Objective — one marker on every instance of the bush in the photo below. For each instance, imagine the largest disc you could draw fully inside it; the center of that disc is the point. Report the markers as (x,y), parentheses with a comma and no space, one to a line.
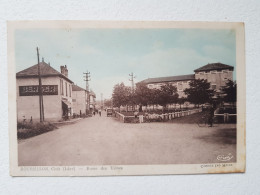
(26,130)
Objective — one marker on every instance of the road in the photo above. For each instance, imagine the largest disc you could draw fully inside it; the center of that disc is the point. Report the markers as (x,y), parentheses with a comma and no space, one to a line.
(106,141)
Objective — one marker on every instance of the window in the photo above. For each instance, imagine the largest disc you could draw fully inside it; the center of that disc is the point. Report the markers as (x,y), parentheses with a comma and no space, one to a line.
(66,88)
(61,87)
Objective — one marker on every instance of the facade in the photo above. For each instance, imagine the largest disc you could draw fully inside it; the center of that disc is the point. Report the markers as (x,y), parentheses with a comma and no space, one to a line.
(79,100)
(56,88)
(92,100)
(216,74)
(180,82)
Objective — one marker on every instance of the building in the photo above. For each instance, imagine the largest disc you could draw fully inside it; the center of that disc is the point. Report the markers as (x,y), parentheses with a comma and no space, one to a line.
(216,74)
(79,100)
(56,88)
(180,82)
(92,100)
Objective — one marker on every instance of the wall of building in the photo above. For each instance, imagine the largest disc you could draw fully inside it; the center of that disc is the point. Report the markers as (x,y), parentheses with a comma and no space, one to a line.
(180,85)
(217,79)
(28,106)
(79,102)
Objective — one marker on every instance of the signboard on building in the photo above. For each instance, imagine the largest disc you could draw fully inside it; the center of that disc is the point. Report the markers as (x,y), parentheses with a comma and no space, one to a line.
(33,90)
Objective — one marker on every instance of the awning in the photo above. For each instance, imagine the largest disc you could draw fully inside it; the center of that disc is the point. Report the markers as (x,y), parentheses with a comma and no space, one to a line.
(67,103)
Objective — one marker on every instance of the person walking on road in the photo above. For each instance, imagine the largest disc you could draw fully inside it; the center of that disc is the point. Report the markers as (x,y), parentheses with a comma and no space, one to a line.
(99,112)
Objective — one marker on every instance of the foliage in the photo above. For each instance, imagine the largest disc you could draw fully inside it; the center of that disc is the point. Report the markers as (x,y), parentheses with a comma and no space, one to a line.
(199,92)
(142,94)
(121,95)
(108,103)
(167,94)
(229,91)
(26,130)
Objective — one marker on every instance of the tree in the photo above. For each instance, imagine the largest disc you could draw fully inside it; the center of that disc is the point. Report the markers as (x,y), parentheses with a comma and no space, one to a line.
(142,95)
(154,97)
(229,92)
(181,101)
(120,95)
(108,102)
(199,92)
(167,94)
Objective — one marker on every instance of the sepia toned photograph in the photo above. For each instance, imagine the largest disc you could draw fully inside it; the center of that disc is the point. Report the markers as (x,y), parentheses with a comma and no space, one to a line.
(126,98)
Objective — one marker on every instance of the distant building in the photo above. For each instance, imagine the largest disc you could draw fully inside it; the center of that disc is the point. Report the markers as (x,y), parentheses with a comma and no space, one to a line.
(180,82)
(79,100)
(92,100)
(216,74)
(56,88)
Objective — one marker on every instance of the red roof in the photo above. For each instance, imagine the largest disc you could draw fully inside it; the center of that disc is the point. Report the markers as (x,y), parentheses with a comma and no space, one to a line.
(214,66)
(46,70)
(170,79)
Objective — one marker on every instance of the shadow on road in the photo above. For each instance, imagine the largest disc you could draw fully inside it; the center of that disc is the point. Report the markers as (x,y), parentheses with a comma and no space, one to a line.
(221,136)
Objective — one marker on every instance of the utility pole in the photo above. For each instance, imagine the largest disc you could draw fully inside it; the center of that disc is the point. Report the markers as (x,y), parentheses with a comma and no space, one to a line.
(87,79)
(133,87)
(40,89)
(132,81)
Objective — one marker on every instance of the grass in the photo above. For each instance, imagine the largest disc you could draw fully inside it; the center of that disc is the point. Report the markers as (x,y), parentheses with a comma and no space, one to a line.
(190,119)
(27,130)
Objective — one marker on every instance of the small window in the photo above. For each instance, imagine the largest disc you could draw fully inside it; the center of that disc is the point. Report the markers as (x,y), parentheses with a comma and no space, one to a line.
(61,87)
(66,88)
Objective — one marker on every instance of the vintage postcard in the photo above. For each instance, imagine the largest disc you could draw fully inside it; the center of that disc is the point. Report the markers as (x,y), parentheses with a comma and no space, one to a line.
(97,98)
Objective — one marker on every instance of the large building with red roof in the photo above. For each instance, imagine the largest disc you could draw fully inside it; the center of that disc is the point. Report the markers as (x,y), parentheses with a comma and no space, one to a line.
(216,74)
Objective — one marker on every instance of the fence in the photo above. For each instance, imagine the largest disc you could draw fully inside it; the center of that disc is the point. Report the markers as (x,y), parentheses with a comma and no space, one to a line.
(120,116)
(226,116)
(165,117)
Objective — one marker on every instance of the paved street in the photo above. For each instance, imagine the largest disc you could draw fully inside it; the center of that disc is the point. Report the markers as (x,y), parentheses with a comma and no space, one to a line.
(104,140)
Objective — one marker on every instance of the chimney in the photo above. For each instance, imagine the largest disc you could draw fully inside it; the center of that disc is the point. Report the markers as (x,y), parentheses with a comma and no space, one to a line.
(64,70)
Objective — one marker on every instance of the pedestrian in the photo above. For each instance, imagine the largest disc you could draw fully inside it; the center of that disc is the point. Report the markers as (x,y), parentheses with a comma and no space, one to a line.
(94,113)
(99,112)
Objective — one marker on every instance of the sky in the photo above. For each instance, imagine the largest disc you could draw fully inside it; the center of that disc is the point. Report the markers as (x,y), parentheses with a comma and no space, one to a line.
(110,55)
